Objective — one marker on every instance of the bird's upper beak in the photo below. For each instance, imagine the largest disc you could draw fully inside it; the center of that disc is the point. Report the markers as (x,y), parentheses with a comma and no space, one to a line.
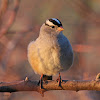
(60,28)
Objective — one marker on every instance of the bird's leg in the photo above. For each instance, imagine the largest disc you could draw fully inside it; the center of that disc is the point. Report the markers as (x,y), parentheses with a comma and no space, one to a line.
(59,80)
(41,81)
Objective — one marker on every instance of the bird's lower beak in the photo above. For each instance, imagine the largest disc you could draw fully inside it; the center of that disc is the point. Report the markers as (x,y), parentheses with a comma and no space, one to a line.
(60,28)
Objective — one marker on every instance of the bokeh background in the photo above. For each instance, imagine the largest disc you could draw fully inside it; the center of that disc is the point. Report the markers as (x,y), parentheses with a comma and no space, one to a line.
(20,21)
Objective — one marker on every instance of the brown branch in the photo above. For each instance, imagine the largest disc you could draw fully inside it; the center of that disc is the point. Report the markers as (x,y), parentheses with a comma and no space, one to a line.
(10,46)
(85,48)
(85,11)
(11,19)
(3,8)
(28,85)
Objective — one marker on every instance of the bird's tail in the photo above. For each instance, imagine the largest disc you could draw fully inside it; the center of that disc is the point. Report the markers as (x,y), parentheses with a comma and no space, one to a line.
(45,77)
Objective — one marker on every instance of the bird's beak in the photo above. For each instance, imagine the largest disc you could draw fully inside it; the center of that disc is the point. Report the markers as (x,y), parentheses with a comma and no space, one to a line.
(60,28)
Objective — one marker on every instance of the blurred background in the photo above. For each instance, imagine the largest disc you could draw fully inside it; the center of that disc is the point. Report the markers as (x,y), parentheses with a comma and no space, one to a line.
(20,21)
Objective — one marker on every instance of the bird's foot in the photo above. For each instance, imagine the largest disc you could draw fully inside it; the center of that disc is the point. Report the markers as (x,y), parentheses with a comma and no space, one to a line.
(41,82)
(59,80)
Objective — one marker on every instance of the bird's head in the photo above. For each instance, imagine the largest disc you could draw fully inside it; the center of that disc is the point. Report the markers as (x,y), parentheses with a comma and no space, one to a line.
(52,26)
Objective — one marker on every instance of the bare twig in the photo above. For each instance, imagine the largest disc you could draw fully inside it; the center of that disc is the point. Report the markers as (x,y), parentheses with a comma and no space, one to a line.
(11,19)
(3,8)
(28,85)
(11,46)
(85,48)
(85,11)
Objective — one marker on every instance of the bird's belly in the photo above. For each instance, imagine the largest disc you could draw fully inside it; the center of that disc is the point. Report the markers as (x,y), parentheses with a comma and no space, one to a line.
(56,60)
(48,61)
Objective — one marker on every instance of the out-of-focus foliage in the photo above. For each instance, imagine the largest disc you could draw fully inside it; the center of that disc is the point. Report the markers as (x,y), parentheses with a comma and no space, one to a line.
(81,21)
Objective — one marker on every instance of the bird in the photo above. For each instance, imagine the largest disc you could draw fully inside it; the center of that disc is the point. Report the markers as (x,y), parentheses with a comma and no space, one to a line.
(51,53)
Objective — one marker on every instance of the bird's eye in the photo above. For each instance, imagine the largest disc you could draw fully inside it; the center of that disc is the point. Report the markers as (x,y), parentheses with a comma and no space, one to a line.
(53,26)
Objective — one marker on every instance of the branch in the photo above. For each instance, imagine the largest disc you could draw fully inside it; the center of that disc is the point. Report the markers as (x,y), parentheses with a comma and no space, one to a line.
(3,8)
(85,11)
(11,19)
(10,46)
(28,85)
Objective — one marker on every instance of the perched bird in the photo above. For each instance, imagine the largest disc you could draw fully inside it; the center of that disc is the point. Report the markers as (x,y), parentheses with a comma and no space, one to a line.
(51,52)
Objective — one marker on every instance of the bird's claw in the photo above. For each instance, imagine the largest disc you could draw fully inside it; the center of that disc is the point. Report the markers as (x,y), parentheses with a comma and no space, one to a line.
(59,80)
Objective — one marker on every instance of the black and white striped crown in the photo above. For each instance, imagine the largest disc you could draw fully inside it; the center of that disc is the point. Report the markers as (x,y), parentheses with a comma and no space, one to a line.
(54,21)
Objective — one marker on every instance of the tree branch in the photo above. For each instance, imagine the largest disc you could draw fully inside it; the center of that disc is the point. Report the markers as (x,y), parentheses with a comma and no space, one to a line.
(85,11)
(28,85)
(11,18)
(10,46)
(3,7)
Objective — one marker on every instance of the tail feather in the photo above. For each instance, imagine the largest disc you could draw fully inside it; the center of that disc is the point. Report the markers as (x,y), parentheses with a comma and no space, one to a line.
(45,77)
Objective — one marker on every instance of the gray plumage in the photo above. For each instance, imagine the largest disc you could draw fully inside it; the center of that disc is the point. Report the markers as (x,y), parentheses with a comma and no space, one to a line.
(51,53)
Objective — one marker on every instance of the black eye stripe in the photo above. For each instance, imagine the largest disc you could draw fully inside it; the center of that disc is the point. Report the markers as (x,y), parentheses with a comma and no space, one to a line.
(46,24)
(49,25)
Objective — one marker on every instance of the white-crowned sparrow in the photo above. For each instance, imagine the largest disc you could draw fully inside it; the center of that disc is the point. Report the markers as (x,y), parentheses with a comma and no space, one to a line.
(51,52)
